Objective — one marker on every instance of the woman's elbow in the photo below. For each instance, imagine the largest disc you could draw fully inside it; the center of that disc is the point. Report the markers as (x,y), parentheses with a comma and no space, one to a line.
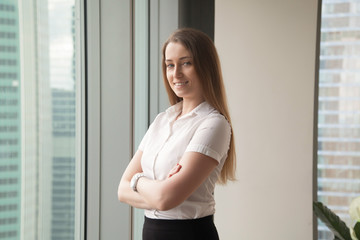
(120,197)
(120,193)
(166,203)
(162,206)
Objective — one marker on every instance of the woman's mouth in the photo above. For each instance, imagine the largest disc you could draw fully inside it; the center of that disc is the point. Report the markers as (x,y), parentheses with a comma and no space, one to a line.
(179,84)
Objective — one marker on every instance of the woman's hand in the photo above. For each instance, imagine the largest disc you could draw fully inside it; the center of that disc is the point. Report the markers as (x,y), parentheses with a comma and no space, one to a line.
(175,170)
(182,181)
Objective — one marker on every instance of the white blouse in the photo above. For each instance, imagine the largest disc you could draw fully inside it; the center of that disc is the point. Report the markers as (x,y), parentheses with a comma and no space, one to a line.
(202,130)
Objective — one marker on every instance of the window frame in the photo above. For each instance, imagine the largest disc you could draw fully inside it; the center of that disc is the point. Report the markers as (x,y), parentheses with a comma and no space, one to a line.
(106,156)
(315,114)
(110,106)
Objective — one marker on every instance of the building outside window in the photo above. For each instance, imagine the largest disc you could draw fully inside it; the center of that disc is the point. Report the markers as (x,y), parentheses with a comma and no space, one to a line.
(339,108)
(40,118)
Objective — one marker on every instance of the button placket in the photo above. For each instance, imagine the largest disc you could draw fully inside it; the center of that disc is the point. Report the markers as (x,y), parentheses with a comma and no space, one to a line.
(162,146)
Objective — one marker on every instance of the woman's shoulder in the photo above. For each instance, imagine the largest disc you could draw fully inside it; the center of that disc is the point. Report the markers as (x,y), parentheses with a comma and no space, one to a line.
(216,120)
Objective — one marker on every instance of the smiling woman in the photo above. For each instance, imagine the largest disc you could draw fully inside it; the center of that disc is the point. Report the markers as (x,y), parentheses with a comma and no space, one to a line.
(181,75)
(187,149)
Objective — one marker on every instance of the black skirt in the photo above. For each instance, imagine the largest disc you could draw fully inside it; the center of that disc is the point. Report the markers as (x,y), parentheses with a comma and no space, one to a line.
(188,229)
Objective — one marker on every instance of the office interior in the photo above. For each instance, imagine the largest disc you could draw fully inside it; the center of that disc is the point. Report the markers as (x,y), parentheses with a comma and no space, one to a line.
(291,73)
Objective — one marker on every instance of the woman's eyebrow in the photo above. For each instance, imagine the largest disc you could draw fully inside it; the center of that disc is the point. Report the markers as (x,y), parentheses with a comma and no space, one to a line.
(182,58)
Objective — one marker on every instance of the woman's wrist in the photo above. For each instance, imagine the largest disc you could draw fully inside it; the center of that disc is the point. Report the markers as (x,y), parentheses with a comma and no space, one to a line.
(134,181)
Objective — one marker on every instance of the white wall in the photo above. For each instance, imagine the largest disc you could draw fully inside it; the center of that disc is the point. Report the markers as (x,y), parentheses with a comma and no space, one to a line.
(267,49)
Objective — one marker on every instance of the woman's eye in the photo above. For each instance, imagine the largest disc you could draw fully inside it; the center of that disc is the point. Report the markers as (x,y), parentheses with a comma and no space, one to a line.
(186,63)
(170,65)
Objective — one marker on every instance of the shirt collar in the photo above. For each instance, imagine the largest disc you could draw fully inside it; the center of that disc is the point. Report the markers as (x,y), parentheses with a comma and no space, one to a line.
(173,111)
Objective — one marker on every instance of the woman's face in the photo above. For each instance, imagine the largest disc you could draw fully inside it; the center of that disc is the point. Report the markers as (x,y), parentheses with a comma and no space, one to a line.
(181,74)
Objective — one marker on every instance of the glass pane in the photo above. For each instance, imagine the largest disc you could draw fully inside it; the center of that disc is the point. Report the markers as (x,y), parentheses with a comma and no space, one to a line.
(339,108)
(40,120)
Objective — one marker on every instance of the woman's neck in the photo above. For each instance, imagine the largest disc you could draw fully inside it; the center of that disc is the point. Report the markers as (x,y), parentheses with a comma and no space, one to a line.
(189,105)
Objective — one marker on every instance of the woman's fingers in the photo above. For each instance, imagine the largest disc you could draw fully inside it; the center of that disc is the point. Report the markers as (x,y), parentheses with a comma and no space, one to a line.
(175,170)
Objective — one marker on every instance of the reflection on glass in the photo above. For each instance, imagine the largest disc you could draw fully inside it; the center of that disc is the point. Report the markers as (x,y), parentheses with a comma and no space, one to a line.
(339,108)
(39,132)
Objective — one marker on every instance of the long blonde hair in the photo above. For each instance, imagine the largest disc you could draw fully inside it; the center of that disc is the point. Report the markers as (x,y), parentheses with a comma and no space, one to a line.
(207,66)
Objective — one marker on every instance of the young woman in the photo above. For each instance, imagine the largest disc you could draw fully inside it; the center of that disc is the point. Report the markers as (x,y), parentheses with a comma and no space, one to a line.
(187,149)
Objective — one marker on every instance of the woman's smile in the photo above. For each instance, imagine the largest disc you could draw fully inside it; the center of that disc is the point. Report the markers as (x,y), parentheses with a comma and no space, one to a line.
(180,84)
(181,73)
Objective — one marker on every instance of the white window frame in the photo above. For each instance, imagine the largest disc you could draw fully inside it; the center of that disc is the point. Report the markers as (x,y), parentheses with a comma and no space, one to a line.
(111,109)
(109,116)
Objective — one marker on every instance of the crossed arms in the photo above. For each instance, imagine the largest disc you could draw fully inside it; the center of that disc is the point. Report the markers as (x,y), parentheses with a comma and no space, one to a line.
(165,194)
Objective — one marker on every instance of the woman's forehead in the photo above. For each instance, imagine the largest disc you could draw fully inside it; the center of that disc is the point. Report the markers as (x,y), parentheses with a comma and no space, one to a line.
(175,50)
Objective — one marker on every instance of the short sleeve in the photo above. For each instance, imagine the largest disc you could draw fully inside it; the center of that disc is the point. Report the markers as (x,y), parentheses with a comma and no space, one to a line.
(212,138)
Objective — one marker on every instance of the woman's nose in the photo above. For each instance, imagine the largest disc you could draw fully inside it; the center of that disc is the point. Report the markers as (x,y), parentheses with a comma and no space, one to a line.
(178,71)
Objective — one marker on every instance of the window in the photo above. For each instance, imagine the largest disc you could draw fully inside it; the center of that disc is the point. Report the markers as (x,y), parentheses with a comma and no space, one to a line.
(339,108)
(40,119)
